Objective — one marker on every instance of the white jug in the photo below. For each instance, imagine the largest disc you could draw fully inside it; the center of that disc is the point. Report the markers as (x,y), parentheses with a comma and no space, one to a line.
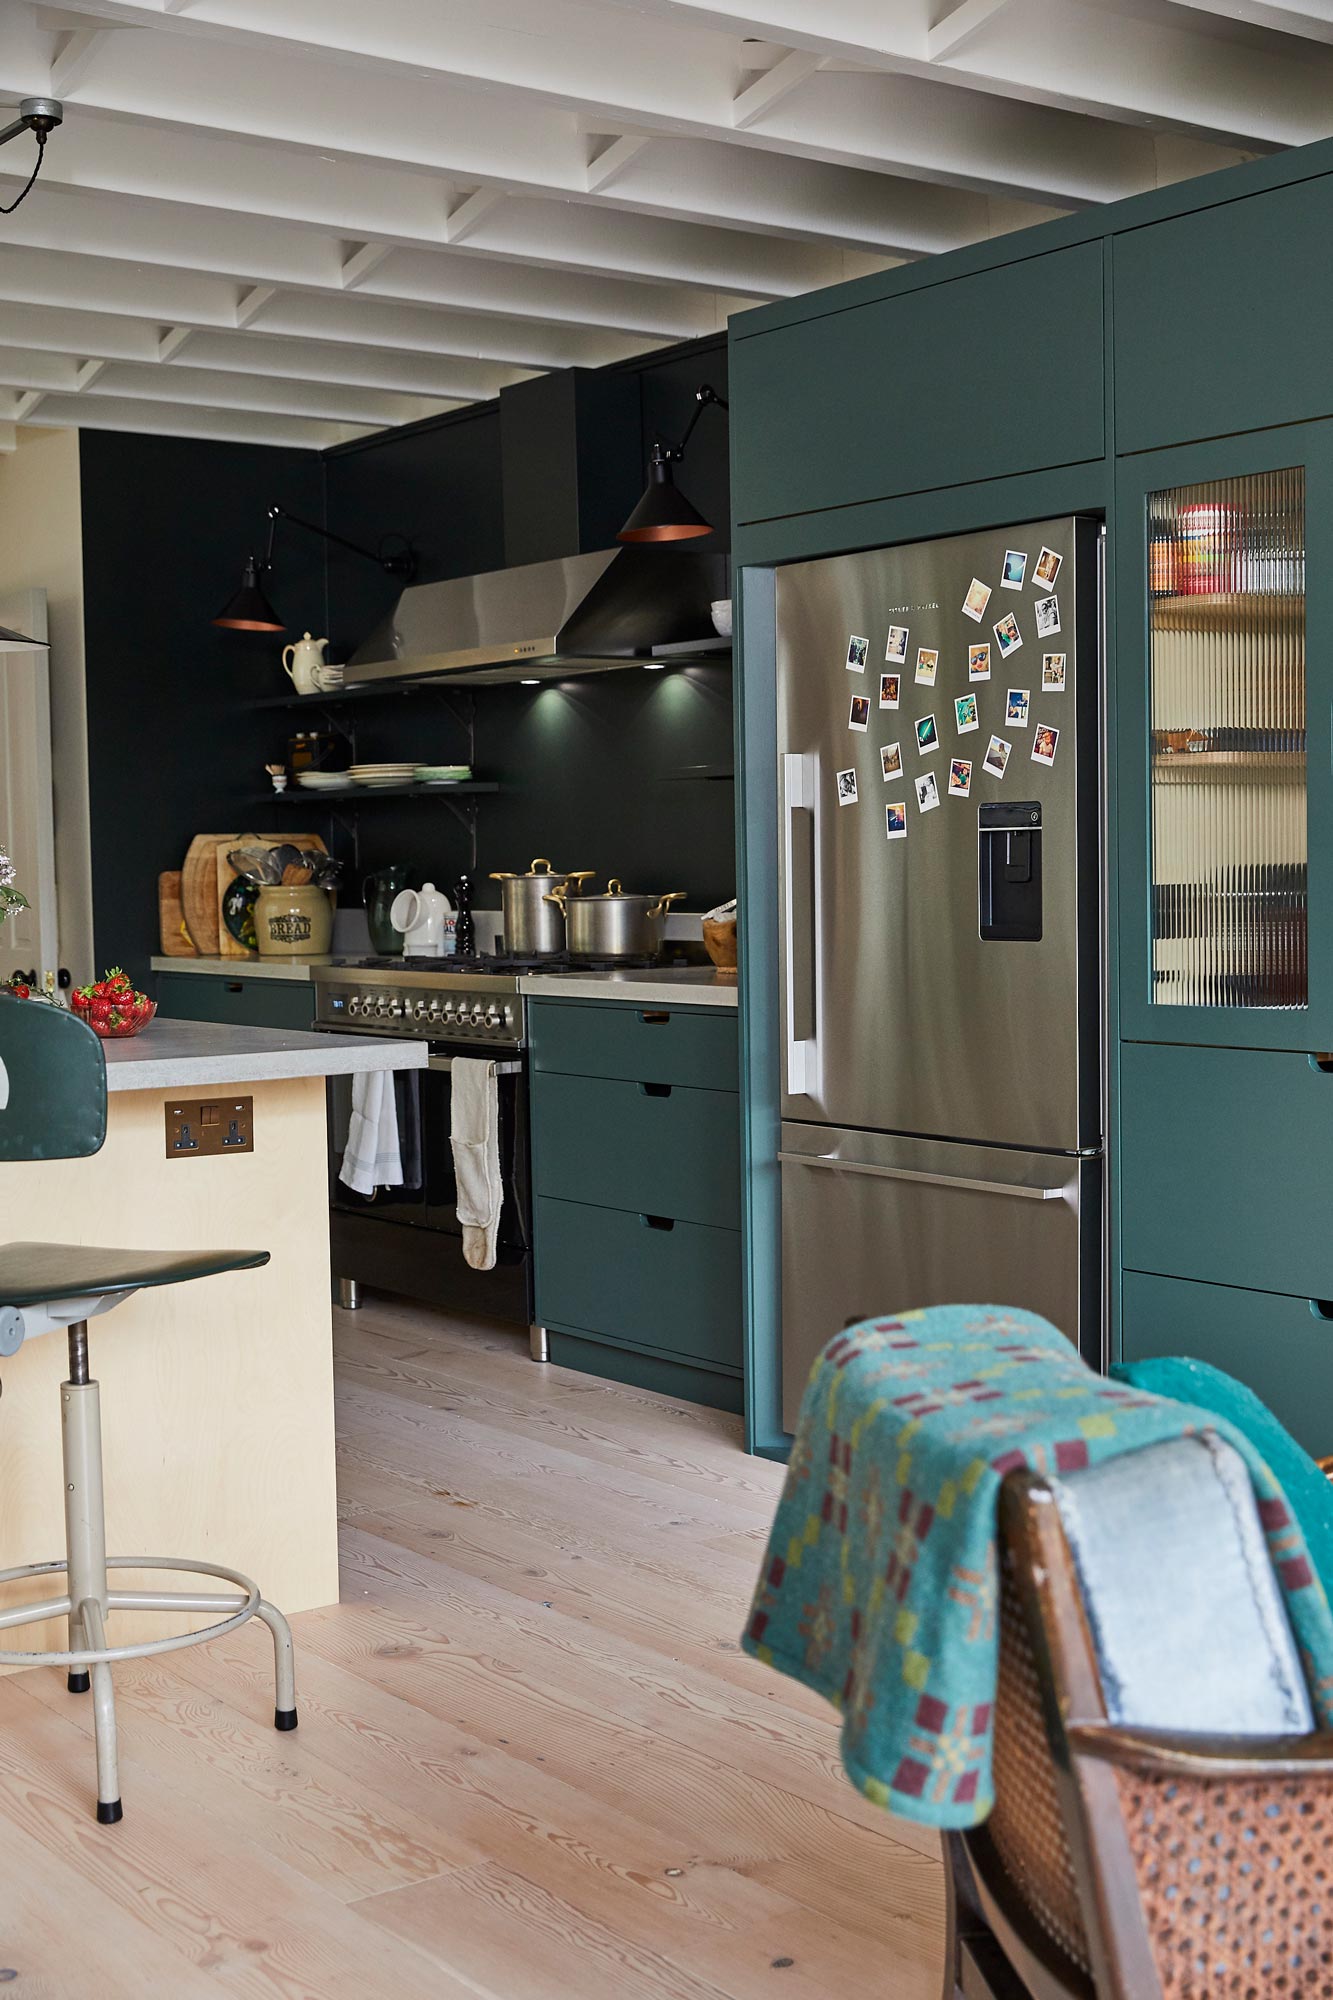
(306,658)
(420,915)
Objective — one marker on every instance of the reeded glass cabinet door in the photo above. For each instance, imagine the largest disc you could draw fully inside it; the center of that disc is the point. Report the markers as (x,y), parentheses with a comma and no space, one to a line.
(1227,715)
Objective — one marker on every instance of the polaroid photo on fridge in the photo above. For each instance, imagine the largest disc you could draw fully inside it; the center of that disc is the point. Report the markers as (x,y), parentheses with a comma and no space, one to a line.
(1015,565)
(1007,635)
(1043,744)
(927,735)
(858,652)
(965,713)
(1048,617)
(960,777)
(890,688)
(1052,673)
(895,652)
(927,793)
(978,663)
(859,715)
(891,761)
(997,757)
(978,597)
(846,788)
(895,821)
(1016,708)
(1046,570)
(927,661)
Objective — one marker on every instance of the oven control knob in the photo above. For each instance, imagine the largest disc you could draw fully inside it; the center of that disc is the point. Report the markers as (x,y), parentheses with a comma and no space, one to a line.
(395,1009)
(492,1016)
(381,1008)
(433,1011)
(354,1004)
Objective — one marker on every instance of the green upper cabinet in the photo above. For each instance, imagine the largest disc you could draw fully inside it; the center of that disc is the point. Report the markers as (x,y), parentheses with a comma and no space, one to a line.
(1224,681)
(1221,318)
(990,374)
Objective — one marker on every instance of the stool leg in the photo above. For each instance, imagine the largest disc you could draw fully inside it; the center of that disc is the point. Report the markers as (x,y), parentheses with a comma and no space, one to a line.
(85,1549)
(284,1665)
(77,1679)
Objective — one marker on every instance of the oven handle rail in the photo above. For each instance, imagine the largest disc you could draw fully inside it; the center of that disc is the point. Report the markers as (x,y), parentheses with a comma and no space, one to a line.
(432,1062)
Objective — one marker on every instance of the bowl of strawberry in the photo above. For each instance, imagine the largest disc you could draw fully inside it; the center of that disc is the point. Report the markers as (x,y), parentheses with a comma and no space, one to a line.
(111,1006)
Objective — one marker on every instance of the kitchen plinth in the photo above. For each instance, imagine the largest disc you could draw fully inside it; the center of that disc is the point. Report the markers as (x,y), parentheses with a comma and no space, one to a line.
(217,1397)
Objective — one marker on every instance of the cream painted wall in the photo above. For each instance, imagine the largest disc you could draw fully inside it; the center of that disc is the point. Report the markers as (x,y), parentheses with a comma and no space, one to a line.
(41,548)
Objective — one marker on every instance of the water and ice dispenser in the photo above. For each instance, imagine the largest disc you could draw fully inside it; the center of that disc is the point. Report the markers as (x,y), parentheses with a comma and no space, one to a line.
(1009,871)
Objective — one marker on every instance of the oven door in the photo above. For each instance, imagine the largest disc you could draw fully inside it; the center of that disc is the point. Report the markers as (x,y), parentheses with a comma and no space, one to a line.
(434,1205)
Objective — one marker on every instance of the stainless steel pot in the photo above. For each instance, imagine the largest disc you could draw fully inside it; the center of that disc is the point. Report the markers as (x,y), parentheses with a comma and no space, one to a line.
(614,925)
(532,927)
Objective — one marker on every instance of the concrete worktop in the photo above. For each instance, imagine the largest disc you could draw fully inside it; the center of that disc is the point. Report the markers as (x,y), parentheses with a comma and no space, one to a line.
(244,968)
(639,986)
(177,1055)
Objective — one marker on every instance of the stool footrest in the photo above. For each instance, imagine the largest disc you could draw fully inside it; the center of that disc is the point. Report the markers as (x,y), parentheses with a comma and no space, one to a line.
(236,1607)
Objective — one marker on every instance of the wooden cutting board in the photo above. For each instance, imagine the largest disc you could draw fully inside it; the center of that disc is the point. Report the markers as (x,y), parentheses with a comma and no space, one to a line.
(199,891)
(172,935)
(225,875)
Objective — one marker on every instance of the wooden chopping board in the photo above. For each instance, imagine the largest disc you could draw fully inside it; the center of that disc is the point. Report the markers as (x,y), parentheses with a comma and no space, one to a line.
(173,936)
(199,891)
(225,875)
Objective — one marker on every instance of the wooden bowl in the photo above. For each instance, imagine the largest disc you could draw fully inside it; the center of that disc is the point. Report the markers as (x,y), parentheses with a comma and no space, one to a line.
(720,944)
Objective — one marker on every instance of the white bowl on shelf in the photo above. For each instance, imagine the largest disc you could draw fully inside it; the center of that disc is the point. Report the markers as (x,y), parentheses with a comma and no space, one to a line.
(720,609)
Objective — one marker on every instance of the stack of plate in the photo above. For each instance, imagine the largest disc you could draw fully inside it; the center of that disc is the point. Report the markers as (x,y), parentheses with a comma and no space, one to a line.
(324,781)
(381,774)
(442,774)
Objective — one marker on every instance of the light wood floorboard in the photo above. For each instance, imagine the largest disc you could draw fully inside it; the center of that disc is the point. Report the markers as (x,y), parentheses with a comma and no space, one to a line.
(533,1760)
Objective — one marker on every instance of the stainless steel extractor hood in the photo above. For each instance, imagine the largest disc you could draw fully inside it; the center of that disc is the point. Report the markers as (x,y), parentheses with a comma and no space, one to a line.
(581,614)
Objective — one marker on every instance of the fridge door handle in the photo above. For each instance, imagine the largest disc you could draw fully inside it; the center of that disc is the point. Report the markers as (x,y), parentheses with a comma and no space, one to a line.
(832,1164)
(800,836)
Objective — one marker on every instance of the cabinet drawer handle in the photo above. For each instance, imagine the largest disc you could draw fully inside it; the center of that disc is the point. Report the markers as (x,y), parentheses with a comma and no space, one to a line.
(1322,1308)
(1323,1062)
(235,986)
(658,1221)
(653,1020)
(655,1089)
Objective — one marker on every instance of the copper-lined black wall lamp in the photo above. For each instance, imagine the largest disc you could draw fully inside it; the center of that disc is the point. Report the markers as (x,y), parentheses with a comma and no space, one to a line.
(249,609)
(663,514)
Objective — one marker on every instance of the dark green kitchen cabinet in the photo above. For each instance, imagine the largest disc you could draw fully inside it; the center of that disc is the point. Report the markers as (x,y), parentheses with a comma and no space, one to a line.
(1222,682)
(990,373)
(1222,317)
(238,1002)
(1279,1344)
(636,1177)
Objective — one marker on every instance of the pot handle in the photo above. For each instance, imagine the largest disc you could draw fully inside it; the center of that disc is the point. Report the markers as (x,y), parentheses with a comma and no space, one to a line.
(504,875)
(663,903)
(541,866)
(576,877)
(556,896)
(615,887)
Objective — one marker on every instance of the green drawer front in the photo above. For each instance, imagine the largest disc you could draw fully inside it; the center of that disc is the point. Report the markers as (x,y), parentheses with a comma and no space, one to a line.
(247,1003)
(619,1146)
(677,1290)
(1226,1167)
(640,1044)
(1274,1344)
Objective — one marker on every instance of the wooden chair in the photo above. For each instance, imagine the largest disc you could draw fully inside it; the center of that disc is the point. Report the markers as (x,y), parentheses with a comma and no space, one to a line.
(1124,1862)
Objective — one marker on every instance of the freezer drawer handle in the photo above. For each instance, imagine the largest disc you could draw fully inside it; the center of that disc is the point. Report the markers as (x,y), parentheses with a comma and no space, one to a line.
(800,918)
(655,1089)
(837,1166)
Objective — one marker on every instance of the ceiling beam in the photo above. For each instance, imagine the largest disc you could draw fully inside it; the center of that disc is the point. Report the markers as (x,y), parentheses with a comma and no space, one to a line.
(771,87)
(957,25)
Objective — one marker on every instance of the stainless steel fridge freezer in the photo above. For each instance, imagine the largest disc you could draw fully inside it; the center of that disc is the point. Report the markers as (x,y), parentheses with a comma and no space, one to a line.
(940,964)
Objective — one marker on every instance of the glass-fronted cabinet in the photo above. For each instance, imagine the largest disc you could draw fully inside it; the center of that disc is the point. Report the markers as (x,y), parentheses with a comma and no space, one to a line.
(1220,713)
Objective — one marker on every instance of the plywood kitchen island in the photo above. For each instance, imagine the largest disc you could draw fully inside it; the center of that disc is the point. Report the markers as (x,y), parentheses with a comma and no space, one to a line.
(217,1396)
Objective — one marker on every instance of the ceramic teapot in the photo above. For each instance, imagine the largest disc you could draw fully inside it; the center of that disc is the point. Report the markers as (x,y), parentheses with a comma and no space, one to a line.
(419,914)
(302,662)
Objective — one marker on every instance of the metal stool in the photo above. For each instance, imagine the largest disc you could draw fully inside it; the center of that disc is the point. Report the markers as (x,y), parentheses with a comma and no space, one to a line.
(53,1106)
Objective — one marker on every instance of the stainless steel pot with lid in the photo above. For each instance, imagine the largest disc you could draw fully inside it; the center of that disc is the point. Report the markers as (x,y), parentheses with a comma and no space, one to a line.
(532,928)
(614,924)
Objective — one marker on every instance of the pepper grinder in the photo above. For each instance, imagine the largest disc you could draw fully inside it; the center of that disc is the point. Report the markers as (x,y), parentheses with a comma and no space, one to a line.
(465,931)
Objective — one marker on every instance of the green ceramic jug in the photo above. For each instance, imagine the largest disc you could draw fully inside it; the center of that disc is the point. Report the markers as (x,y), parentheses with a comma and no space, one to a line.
(377,892)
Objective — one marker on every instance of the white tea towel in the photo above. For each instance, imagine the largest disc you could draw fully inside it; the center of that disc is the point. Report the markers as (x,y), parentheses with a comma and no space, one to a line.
(371,1158)
(475,1139)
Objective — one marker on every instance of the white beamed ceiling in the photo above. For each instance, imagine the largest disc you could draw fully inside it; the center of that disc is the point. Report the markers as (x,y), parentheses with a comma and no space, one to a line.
(296,221)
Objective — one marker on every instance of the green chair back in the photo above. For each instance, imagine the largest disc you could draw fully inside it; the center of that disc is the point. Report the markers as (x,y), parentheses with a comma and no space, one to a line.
(52,1083)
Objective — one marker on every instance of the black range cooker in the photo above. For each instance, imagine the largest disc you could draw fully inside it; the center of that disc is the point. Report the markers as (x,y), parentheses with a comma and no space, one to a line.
(409,1240)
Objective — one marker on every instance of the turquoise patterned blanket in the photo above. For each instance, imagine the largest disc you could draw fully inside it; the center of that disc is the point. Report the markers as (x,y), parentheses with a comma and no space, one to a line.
(879,1585)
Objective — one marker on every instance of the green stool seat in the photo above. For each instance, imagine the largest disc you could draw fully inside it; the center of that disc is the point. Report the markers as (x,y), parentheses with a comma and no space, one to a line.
(53,1107)
(33,1273)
